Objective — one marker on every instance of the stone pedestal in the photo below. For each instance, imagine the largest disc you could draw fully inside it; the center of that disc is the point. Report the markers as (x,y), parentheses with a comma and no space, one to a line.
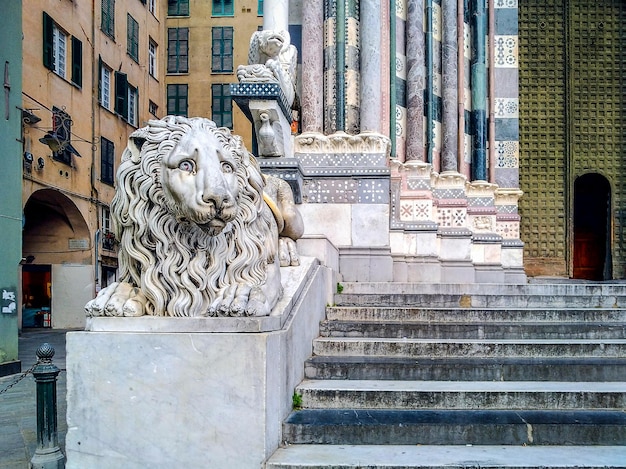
(190,392)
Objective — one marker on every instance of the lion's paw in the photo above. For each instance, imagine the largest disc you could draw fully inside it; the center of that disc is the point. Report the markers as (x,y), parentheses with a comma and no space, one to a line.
(118,299)
(288,252)
(238,301)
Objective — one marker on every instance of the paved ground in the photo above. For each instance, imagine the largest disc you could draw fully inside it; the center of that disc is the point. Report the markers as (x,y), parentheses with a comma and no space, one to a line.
(18,405)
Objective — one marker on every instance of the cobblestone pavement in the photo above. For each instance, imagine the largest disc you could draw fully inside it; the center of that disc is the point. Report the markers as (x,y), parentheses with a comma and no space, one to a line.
(18,405)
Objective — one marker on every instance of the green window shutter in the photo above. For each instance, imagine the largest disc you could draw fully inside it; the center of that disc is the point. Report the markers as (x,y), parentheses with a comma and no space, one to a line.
(108,18)
(223,8)
(132,35)
(77,61)
(48,51)
(100,79)
(107,157)
(121,94)
(260,8)
(178,7)
(222,49)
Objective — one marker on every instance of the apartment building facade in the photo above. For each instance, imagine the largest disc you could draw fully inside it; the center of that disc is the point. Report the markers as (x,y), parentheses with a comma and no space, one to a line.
(92,74)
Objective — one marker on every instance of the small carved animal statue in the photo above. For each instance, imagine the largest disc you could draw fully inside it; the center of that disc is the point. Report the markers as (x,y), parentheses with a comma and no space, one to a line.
(198,236)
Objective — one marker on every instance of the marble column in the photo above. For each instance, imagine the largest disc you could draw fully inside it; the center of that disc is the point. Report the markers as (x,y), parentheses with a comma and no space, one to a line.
(340,60)
(479,91)
(276,15)
(416,78)
(330,67)
(352,68)
(449,62)
(312,66)
(371,99)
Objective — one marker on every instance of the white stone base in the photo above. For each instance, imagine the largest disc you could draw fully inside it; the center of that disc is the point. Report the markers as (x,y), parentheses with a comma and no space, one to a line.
(200,395)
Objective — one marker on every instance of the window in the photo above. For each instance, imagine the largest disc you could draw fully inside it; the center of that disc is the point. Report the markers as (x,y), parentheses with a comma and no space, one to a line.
(178,7)
(56,43)
(152,6)
(152,58)
(121,94)
(132,32)
(107,163)
(133,100)
(222,50)
(107,23)
(105,217)
(62,129)
(177,50)
(153,108)
(259,7)
(222,106)
(105,86)
(223,8)
(177,100)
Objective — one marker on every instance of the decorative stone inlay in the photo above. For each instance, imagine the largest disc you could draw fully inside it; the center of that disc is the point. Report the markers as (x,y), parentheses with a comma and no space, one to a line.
(451,217)
(416,210)
(480,201)
(449,194)
(416,184)
(506,51)
(506,208)
(341,142)
(505,4)
(244,92)
(483,223)
(507,154)
(507,107)
(352,191)
(508,230)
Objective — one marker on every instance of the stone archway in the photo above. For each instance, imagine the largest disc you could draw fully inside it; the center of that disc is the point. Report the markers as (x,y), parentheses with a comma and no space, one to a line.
(592,228)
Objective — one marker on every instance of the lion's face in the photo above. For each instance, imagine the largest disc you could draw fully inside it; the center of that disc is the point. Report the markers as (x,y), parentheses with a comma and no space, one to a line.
(199,178)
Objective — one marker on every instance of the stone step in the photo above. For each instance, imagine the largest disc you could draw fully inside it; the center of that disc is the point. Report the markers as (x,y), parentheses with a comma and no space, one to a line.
(480,300)
(568,288)
(454,427)
(472,315)
(522,395)
(418,348)
(466,369)
(449,457)
(490,330)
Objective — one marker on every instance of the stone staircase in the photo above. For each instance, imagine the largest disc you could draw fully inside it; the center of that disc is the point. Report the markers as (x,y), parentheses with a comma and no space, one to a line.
(430,376)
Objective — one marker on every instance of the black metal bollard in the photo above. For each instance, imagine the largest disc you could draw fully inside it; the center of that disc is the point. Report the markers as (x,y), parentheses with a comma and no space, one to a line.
(48,455)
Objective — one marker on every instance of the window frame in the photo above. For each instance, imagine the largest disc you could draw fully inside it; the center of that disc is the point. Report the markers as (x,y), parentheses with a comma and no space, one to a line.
(178,8)
(107,19)
(153,108)
(132,37)
(177,97)
(223,9)
(104,94)
(152,58)
(222,114)
(152,7)
(225,49)
(132,117)
(175,44)
(107,170)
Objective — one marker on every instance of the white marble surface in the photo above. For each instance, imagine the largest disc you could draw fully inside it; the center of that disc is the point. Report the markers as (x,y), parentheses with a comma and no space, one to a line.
(370,225)
(186,399)
(331,220)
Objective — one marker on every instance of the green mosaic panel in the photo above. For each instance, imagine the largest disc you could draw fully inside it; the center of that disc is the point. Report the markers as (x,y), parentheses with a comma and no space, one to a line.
(542,127)
(597,92)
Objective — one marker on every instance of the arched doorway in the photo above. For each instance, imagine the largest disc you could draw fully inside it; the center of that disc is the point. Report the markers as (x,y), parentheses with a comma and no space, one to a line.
(592,228)
(57,271)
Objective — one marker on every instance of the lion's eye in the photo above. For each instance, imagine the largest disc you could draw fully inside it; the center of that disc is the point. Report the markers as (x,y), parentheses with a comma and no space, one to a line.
(186,166)
(227,167)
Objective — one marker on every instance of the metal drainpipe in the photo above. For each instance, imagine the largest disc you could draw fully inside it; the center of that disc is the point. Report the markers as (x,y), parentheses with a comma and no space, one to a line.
(430,91)
(94,87)
(479,90)
(392,77)
(460,34)
(340,36)
(491,94)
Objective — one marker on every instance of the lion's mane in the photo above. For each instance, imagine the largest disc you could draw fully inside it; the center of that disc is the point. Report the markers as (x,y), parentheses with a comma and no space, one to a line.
(178,266)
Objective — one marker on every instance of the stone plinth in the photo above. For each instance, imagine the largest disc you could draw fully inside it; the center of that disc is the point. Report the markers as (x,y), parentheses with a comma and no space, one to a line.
(190,392)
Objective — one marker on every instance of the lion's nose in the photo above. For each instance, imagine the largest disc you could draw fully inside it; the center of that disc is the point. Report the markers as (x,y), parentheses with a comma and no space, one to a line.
(218,201)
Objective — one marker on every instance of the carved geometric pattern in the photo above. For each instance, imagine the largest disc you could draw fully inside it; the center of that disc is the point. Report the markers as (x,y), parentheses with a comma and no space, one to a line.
(415,184)
(506,209)
(507,154)
(480,202)
(351,191)
(449,193)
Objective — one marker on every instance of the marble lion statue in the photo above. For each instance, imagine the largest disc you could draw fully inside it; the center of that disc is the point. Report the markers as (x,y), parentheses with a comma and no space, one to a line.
(201,231)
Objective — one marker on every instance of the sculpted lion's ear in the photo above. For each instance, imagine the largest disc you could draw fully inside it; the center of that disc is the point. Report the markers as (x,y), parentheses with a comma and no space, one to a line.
(135,142)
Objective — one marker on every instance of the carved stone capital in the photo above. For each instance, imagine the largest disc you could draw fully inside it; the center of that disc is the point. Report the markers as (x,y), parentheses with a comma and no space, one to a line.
(341,142)
(449,180)
(480,189)
(507,196)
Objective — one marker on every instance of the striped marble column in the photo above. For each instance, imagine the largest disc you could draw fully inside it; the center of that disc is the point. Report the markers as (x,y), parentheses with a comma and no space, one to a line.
(330,67)
(449,62)
(479,90)
(371,99)
(352,67)
(399,82)
(415,81)
(312,66)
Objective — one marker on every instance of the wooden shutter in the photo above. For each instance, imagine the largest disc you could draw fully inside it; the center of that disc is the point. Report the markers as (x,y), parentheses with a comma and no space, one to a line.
(48,51)
(77,61)
(121,94)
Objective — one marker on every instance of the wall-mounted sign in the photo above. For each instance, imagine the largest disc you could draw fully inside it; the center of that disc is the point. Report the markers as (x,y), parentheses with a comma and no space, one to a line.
(79,243)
